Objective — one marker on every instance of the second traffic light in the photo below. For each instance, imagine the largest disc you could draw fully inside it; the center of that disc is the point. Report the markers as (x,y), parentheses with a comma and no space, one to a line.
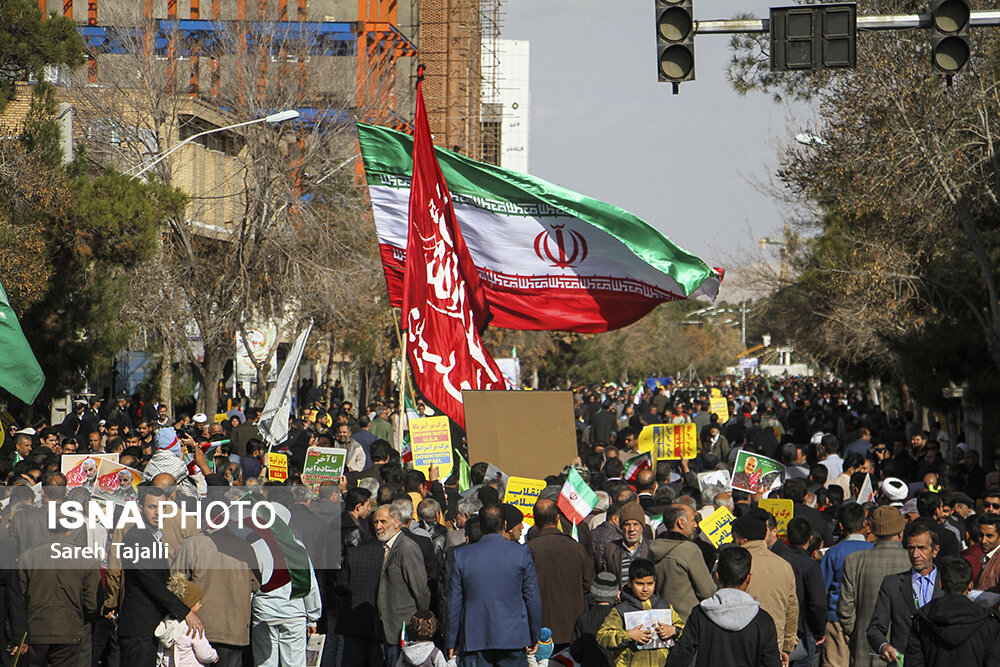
(675,40)
(949,35)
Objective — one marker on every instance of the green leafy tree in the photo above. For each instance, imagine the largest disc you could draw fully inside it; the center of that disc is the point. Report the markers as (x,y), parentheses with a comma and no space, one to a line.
(74,240)
(29,43)
(900,275)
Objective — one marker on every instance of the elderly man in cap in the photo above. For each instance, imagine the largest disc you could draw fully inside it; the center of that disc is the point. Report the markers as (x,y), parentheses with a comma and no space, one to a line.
(772,582)
(863,575)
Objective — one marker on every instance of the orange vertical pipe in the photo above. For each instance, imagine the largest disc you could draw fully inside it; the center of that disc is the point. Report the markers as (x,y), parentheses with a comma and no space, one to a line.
(261,53)
(214,85)
(172,49)
(195,51)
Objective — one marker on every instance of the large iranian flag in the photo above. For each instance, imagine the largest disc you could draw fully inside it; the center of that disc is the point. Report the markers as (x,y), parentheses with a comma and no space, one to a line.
(548,258)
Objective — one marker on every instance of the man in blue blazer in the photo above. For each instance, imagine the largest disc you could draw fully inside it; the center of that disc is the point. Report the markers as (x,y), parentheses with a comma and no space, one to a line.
(494,609)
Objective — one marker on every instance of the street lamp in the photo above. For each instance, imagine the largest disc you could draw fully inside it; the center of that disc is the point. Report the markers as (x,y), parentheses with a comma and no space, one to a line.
(287,114)
(783,248)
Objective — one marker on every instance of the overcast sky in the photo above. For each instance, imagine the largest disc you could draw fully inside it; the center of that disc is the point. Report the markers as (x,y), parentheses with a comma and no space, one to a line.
(602,125)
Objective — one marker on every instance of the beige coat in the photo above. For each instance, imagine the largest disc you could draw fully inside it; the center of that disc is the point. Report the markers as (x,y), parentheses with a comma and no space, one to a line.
(772,584)
(225,580)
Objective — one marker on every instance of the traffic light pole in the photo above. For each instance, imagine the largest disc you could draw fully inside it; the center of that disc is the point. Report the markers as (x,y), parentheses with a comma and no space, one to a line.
(875,22)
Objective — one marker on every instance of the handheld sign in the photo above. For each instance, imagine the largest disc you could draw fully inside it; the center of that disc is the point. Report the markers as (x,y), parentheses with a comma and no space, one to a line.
(866,495)
(430,444)
(81,469)
(522,493)
(277,467)
(781,509)
(116,482)
(323,464)
(670,442)
(219,417)
(717,526)
(756,473)
(714,478)
(720,406)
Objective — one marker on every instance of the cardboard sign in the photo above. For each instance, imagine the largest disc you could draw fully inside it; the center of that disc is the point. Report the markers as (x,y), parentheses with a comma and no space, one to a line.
(717,526)
(81,469)
(324,464)
(720,407)
(526,433)
(430,444)
(277,467)
(781,509)
(670,442)
(116,482)
(522,494)
(755,473)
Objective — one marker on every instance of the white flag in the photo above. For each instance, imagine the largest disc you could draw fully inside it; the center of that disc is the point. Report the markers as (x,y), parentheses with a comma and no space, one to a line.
(274,416)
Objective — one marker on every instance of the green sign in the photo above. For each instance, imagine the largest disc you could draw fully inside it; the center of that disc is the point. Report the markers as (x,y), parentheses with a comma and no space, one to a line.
(324,464)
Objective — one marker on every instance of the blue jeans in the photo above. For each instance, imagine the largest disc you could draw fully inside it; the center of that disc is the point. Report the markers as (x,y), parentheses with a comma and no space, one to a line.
(810,645)
(494,658)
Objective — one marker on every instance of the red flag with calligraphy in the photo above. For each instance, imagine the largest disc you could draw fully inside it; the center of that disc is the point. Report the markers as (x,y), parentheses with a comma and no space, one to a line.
(444,308)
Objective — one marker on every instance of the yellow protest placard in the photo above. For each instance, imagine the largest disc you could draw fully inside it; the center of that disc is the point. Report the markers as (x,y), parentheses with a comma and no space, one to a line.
(430,444)
(720,407)
(277,467)
(717,526)
(522,493)
(669,442)
(715,392)
(782,510)
(220,417)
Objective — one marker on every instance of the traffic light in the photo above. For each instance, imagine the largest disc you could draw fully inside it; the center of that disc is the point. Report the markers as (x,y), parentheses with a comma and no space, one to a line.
(814,37)
(675,41)
(949,35)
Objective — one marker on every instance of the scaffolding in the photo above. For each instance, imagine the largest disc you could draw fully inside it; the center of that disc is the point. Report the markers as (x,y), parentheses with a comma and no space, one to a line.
(457,44)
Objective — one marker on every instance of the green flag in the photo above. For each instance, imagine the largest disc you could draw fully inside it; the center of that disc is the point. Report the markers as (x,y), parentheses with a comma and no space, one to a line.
(464,473)
(20,373)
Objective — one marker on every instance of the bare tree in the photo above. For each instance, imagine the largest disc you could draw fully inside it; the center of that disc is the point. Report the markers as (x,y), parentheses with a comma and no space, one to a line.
(276,229)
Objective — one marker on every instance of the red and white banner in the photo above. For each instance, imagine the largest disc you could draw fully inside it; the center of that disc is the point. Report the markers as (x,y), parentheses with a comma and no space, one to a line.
(444,309)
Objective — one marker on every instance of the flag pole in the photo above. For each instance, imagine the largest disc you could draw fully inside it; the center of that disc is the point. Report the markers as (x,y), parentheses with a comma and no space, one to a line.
(402,382)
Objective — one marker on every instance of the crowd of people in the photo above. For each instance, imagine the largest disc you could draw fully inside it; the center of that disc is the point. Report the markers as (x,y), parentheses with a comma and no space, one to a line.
(408,569)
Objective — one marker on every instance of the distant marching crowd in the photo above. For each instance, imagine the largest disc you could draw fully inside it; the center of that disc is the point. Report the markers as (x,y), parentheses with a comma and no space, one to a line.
(395,567)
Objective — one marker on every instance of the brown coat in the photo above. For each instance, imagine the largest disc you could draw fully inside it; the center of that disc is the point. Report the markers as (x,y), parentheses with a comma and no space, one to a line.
(989,578)
(60,594)
(565,571)
(226,581)
(772,584)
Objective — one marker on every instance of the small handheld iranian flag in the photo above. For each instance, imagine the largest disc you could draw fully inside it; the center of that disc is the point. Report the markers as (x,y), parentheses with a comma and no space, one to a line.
(636,463)
(576,499)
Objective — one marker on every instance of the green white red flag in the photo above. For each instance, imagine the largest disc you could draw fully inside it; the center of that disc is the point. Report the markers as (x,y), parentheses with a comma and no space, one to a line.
(548,258)
(636,464)
(576,499)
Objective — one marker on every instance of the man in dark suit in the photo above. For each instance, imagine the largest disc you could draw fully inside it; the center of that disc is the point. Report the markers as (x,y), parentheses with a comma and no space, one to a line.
(12,611)
(901,595)
(402,586)
(494,608)
(245,432)
(145,598)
